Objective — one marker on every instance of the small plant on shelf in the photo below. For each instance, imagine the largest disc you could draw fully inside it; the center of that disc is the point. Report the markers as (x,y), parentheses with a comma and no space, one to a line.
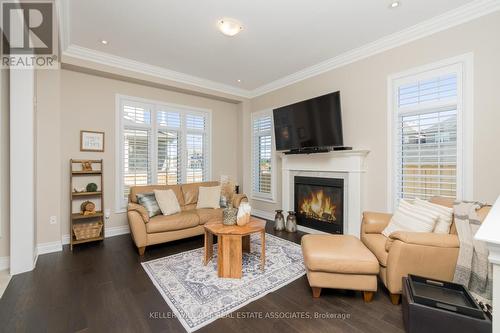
(91,187)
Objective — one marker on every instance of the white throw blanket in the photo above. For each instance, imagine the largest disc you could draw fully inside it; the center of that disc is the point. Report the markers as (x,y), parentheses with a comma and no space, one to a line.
(473,269)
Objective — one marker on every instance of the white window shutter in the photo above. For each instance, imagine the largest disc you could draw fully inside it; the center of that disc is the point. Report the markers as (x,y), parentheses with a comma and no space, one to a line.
(161,143)
(196,146)
(136,158)
(426,133)
(262,156)
(169,157)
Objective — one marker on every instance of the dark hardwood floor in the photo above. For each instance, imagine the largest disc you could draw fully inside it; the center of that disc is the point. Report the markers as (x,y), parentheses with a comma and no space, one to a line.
(102,287)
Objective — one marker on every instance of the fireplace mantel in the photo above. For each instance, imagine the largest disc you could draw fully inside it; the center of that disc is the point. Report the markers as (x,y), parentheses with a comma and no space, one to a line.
(348,165)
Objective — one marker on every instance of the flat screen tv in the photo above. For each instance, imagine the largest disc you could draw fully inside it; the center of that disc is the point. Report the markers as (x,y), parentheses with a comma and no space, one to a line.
(310,124)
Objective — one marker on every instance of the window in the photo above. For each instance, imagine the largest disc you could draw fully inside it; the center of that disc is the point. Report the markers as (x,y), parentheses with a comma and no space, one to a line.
(429,143)
(262,156)
(160,144)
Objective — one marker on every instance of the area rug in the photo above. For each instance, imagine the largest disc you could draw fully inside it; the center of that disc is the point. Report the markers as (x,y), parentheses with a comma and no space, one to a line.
(197,296)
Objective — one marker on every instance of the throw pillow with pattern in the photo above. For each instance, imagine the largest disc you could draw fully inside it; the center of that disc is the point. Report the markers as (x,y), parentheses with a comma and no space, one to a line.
(148,201)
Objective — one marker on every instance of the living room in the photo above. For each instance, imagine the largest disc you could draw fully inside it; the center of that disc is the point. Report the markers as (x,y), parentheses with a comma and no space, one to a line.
(301,166)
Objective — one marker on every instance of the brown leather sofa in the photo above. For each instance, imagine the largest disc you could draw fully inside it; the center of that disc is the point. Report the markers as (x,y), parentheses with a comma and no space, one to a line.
(402,253)
(161,229)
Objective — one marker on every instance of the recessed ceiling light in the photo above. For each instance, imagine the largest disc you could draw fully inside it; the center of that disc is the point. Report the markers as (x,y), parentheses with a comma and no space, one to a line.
(229,26)
(105,42)
(395,4)
(239,80)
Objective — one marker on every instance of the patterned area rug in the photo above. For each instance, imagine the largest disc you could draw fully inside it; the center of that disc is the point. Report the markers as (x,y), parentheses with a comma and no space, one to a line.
(197,296)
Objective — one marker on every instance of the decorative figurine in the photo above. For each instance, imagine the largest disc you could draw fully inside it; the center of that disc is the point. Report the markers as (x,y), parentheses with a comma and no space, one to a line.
(279,220)
(291,222)
(86,166)
(88,208)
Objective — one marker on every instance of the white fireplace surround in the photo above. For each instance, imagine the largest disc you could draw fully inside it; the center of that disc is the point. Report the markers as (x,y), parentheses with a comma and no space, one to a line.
(348,165)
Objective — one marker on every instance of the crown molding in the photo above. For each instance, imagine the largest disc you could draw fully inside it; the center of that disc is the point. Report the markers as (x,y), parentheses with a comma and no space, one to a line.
(460,15)
(439,23)
(107,59)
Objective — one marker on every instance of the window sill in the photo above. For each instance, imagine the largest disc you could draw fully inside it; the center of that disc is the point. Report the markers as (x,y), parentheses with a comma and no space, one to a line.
(268,200)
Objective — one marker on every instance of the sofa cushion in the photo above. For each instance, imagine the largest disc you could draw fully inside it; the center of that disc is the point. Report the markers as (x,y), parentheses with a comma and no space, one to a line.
(190,191)
(344,254)
(209,215)
(376,244)
(182,220)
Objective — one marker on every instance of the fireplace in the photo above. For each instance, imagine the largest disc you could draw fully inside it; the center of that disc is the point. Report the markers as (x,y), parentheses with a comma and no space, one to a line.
(319,203)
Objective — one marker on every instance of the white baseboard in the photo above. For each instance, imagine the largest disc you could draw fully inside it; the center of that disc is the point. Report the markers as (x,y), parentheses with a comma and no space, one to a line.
(263,214)
(35,257)
(56,246)
(116,231)
(4,281)
(4,263)
(49,247)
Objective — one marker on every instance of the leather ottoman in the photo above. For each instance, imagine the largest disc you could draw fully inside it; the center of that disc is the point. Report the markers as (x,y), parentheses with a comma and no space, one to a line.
(339,262)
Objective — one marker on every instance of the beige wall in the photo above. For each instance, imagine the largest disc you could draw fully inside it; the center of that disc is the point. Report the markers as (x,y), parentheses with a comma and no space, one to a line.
(4,163)
(363,87)
(48,151)
(88,102)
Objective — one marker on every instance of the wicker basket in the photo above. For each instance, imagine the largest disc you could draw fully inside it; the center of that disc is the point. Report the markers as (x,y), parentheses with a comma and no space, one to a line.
(87,230)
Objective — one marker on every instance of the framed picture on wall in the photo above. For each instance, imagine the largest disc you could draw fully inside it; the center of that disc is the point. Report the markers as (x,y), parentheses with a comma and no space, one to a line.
(91,141)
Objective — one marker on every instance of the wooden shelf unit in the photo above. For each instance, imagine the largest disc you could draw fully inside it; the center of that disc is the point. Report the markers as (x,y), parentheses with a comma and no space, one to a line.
(78,217)
(86,194)
(85,173)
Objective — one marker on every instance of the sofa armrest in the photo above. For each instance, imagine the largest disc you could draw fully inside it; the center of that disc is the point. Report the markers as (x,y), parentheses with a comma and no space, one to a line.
(140,210)
(431,255)
(238,199)
(374,223)
(137,228)
(426,239)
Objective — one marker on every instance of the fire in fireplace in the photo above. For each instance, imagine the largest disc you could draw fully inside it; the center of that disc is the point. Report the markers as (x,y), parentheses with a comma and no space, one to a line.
(319,203)
(318,206)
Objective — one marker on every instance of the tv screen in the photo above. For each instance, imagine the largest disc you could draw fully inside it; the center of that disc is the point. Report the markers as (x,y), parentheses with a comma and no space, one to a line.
(314,123)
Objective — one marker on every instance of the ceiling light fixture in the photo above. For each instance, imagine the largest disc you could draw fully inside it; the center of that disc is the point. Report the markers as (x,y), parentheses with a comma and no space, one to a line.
(395,4)
(239,80)
(229,26)
(105,42)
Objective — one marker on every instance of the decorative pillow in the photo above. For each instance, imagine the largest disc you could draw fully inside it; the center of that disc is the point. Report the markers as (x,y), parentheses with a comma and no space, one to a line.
(445,215)
(409,217)
(148,201)
(167,201)
(208,197)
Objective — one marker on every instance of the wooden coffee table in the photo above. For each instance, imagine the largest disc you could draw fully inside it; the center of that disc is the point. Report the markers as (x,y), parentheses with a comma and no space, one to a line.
(232,242)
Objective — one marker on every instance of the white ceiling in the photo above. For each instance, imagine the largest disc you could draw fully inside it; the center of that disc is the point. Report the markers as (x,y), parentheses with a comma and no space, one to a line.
(280,37)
